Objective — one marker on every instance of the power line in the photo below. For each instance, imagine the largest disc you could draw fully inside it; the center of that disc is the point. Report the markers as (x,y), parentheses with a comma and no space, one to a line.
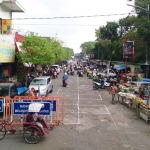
(56,24)
(72,17)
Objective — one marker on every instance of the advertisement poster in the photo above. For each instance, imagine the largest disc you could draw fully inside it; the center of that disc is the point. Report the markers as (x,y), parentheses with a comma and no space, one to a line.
(128,49)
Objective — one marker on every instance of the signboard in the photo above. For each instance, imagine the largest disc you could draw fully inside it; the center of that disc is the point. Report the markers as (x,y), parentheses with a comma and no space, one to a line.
(7,53)
(128,49)
(1,105)
(52,103)
(22,108)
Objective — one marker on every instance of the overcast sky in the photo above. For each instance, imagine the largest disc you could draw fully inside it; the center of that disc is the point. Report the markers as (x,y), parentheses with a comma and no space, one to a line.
(73,31)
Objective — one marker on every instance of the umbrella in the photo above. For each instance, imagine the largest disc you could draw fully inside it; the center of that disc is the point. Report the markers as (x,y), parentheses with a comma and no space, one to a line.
(35,107)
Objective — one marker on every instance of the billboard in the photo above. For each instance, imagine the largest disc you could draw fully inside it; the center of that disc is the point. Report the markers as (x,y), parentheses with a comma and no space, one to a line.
(128,49)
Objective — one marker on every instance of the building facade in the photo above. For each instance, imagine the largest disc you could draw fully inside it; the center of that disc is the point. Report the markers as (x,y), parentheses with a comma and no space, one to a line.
(7,43)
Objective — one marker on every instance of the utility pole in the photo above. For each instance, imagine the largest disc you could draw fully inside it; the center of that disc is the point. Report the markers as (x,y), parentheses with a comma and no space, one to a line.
(98,52)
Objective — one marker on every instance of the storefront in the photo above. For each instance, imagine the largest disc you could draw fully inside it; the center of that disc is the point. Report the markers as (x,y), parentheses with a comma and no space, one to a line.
(7,56)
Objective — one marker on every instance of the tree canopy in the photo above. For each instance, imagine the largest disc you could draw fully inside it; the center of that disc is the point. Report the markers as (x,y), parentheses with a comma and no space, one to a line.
(108,44)
(44,51)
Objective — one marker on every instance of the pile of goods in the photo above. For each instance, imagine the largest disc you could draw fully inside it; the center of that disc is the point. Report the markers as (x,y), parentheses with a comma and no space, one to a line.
(145,106)
(130,96)
(124,90)
(138,100)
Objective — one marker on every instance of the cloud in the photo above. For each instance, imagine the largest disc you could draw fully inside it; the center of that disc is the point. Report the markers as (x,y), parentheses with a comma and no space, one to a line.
(75,31)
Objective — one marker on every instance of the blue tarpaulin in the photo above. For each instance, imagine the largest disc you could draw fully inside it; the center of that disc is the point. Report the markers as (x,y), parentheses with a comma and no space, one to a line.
(121,67)
(22,90)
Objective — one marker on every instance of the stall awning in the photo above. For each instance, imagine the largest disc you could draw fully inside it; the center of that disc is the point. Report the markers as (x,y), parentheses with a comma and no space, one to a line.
(121,67)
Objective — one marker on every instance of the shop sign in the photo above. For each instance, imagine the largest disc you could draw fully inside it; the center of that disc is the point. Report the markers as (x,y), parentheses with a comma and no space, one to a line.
(128,49)
(7,53)
(22,108)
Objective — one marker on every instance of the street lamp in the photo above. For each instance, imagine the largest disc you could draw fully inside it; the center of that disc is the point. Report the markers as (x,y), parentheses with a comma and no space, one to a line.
(147,12)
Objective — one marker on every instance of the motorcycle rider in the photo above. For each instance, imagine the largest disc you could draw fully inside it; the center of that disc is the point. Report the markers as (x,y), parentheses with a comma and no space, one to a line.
(65,77)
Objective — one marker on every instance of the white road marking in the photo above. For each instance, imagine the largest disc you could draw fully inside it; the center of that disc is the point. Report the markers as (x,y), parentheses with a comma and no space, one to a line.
(78,100)
(82,98)
(58,90)
(110,116)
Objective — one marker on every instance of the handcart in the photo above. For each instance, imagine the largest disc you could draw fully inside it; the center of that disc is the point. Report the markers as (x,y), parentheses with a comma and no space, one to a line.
(34,126)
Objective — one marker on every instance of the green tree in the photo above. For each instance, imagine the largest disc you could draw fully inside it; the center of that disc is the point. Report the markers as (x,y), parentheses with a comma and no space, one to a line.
(35,50)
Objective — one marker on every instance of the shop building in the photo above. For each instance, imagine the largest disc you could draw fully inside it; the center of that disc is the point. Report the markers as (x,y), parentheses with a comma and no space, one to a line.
(7,44)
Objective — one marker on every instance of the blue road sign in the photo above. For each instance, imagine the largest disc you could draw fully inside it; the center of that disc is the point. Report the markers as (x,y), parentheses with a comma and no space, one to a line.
(52,103)
(22,108)
(1,105)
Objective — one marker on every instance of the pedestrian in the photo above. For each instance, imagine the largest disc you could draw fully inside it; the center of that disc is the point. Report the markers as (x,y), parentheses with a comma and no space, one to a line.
(31,93)
(113,91)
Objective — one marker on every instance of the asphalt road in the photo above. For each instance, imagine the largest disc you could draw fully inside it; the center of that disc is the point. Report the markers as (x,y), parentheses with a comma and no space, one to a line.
(91,122)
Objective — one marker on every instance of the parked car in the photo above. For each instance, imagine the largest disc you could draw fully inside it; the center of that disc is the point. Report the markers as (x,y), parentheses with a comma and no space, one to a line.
(110,72)
(57,67)
(42,84)
(11,90)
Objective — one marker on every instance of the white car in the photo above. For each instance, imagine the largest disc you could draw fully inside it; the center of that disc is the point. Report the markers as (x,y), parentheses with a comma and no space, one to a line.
(57,67)
(110,72)
(43,84)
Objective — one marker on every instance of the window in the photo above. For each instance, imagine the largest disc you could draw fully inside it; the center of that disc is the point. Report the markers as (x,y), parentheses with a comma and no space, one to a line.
(4,91)
(38,82)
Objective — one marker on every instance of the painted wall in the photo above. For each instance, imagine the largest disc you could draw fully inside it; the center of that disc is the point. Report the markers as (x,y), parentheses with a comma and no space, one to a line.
(5,13)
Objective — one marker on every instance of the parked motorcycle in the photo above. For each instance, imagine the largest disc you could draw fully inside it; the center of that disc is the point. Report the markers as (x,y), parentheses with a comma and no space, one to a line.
(99,84)
(107,85)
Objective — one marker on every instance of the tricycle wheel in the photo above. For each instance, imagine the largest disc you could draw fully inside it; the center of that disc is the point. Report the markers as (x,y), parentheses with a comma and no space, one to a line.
(32,134)
(2,131)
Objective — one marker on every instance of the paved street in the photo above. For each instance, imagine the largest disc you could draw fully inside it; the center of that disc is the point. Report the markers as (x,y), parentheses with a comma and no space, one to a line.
(91,122)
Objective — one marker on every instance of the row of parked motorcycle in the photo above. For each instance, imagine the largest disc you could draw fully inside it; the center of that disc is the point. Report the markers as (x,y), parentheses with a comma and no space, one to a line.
(103,83)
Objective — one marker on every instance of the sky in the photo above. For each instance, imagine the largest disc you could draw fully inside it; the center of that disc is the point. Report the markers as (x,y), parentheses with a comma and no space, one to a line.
(71,31)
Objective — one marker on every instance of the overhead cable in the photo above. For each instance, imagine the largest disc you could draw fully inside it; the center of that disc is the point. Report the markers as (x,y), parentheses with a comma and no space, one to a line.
(72,17)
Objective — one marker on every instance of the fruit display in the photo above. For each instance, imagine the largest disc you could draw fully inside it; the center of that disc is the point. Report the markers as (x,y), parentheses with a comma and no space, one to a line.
(138,100)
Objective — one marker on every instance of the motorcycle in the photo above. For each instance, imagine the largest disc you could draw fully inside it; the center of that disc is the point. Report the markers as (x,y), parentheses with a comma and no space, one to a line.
(107,85)
(99,84)
(64,83)
(70,72)
(80,73)
(55,75)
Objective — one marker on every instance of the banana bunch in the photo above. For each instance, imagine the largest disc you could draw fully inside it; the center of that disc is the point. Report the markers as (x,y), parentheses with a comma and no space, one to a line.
(137,100)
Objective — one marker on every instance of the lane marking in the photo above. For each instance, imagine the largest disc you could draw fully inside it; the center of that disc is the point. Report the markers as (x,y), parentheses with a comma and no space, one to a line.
(78,100)
(58,90)
(110,116)
(82,98)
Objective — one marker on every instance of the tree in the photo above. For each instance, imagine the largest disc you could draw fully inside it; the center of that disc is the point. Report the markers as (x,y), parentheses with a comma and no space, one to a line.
(35,50)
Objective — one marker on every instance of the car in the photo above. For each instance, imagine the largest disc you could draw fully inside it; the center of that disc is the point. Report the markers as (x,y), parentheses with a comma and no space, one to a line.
(57,67)
(110,72)
(42,84)
(11,90)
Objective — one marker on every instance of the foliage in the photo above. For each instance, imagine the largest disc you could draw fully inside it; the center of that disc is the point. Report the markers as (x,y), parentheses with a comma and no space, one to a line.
(44,51)
(35,50)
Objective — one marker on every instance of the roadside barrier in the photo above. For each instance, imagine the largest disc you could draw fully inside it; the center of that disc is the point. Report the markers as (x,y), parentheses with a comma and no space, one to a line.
(15,109)
(2,105)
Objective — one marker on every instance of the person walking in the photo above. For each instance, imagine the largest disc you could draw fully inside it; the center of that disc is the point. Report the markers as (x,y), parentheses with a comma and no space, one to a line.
(113,91)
